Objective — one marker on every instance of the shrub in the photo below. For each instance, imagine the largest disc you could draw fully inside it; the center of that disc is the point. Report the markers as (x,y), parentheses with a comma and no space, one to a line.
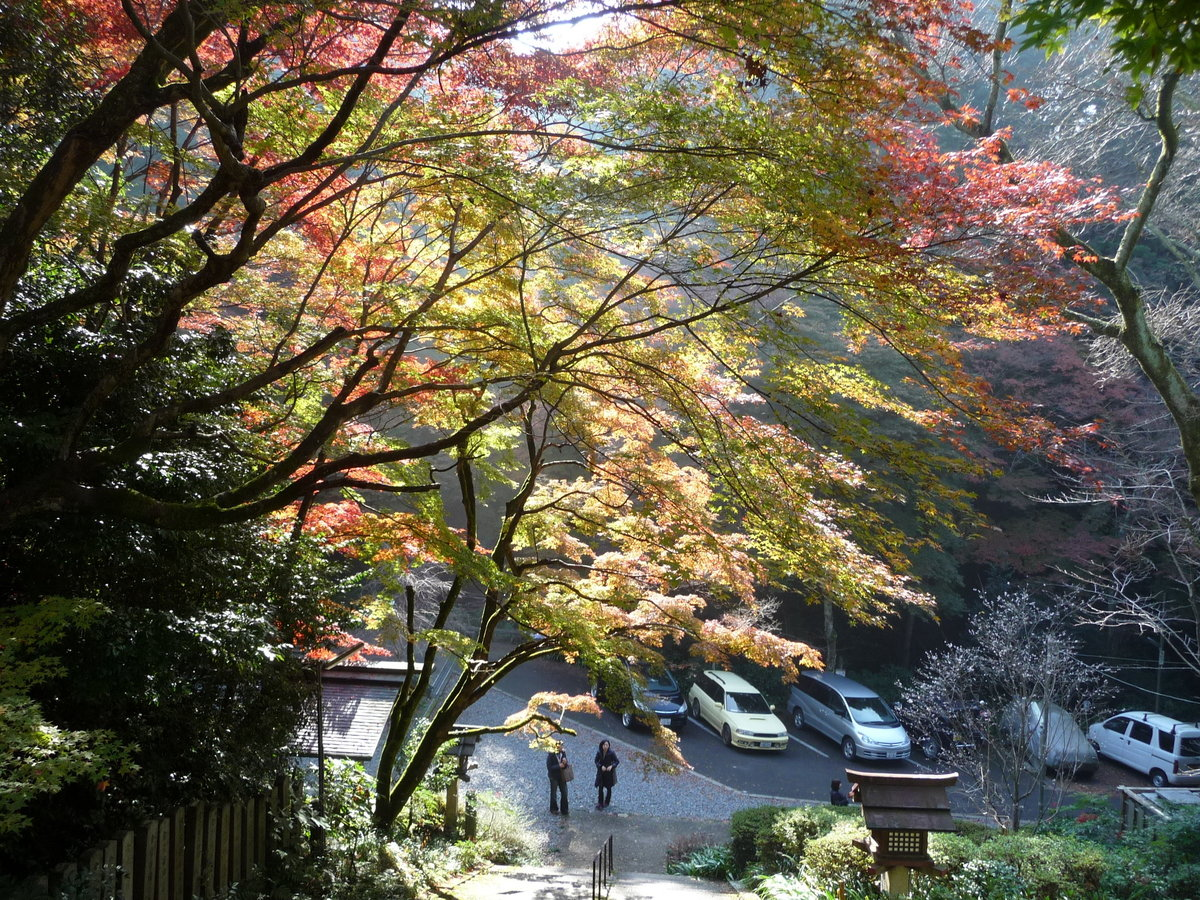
(505,834)
(704,862)
(745,827)
(425,812)
(832,857)
(1051,864)
(976,879)
(976,832)
(682,847)
(1091,819)
(952,851)
(1170,857)
(781,848)
(806,886)
(360,863)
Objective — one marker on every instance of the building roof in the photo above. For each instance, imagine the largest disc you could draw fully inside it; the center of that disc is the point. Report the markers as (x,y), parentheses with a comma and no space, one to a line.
(358,699)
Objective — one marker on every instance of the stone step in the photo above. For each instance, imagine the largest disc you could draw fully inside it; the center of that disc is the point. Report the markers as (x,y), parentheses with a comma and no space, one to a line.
(546,883)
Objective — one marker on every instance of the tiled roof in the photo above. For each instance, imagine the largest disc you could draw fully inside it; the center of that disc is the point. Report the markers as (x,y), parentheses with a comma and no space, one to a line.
(355,716)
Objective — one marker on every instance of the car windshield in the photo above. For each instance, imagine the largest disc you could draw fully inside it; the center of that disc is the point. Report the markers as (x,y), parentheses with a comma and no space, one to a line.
(746,703)
(871,711)
(661,684)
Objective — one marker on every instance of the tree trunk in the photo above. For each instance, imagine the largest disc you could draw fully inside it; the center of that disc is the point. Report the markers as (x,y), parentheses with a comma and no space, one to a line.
(831,647)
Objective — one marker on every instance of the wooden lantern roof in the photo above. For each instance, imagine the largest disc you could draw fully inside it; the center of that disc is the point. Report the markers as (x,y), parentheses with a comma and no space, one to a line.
(901,802)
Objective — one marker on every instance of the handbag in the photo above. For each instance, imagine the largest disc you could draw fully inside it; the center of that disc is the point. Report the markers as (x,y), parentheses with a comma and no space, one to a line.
(568,773)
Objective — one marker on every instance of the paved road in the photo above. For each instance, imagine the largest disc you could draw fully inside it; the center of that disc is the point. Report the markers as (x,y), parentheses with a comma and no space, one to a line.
(802,771)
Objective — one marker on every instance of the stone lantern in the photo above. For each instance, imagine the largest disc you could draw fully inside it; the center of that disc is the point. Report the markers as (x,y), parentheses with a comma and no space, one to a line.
(468,736)
(900,811)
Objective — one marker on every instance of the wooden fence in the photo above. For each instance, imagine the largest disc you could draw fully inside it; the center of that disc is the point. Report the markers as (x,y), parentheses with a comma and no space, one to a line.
(197,851)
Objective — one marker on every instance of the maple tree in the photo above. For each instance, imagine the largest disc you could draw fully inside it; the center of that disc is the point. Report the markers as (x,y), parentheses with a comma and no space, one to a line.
(1113,304)
(1115,101)
(379,274)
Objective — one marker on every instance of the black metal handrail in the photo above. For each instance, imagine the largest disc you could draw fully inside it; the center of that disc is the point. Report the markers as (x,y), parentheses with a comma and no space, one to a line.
(602,869)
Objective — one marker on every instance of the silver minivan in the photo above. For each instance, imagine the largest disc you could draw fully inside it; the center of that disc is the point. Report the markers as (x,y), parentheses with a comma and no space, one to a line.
(851,714)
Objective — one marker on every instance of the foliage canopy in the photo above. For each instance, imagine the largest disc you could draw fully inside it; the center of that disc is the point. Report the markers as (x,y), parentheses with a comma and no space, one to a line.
(575,329)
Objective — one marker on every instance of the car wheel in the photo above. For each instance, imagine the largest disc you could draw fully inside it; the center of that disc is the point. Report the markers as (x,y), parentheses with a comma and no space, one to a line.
(931,748)
(726,736)
(848,749)
(798,718)
(696,709)
(627,719)
(1158,778)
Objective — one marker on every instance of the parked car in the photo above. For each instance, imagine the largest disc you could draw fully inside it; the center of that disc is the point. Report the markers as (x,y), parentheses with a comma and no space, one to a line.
(738,712)
(1164,748)
(956,726)
(1051,736)
(638,688)
(851,714)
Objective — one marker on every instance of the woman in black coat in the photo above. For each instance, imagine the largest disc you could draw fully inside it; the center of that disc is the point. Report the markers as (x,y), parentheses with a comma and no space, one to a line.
(606,774)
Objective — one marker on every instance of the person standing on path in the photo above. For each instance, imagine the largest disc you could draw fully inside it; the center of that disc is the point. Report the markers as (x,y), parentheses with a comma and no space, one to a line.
(606,774)
(556,763)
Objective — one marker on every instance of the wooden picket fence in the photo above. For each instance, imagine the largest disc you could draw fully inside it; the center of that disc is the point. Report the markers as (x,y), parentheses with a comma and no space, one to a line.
(197,851)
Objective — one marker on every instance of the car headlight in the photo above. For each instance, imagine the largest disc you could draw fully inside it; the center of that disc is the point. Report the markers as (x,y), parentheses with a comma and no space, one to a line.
(682,709)
(742,731)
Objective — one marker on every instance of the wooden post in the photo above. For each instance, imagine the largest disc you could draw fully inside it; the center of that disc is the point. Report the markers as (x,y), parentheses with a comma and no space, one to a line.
(162,861)
(237,843)
(222,850)
(450,824)
(108,884)
(896,881)
(175,864)
(192,883)
(145,851)
(212,824)
(295,802)
(274,816)
(260,832)
(126,856)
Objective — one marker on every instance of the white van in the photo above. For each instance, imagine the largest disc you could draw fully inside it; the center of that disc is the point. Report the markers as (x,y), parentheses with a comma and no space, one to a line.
(1164,748)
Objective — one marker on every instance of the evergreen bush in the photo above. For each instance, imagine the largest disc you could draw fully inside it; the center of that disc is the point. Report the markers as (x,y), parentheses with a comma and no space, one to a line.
(745,828)
(952,851)
(832,857)
(781,848)
(1051,865)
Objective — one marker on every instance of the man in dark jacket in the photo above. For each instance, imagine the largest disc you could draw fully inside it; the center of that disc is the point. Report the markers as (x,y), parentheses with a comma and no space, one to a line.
(556,760)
